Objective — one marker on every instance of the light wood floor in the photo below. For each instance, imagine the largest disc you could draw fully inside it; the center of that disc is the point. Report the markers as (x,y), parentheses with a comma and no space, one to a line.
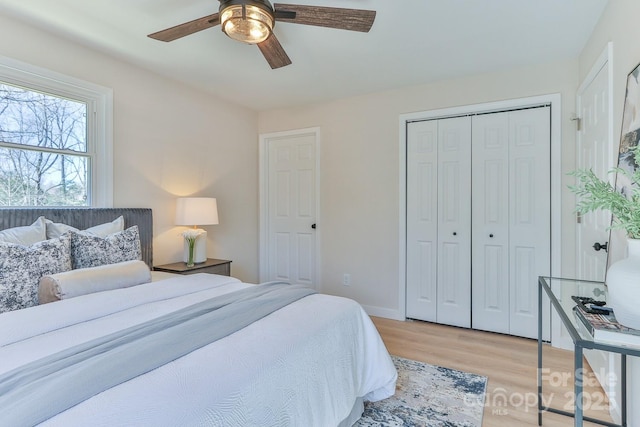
(510,363)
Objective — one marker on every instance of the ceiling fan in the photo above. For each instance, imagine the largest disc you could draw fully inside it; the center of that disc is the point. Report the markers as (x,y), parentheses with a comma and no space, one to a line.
(252,21)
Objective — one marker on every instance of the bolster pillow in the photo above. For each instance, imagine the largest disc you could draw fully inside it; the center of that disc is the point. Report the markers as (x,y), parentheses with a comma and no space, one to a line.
(84,281)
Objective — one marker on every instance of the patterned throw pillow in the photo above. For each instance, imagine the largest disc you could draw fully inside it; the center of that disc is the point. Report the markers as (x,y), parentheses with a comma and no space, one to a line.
(93,251)
(21,268)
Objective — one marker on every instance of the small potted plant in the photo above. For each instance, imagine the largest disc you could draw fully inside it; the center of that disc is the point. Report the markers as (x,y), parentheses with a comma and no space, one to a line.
(623,277)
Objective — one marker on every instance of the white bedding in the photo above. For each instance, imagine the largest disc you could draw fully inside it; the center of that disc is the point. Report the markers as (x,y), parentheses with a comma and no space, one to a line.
(161,275)
(303,365)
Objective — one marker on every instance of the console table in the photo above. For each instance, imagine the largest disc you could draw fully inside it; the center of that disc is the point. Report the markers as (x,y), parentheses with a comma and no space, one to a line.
(559,292)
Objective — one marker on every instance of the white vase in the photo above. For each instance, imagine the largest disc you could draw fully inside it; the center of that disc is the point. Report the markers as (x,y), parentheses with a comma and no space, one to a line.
(623,285)
(199,250)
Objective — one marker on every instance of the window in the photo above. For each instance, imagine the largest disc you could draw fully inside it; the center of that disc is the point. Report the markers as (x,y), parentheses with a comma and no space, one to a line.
(55,139)
(43,146)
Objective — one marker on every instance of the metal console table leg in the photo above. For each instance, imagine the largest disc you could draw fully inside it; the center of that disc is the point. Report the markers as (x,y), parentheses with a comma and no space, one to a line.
(540,408)
(578,386)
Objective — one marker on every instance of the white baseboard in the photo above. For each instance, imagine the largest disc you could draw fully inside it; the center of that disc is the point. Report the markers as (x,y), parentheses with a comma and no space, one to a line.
(383,312)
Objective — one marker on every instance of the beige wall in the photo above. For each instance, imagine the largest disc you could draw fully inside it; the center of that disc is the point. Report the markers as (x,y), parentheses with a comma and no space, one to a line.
(169,141)
(359,161)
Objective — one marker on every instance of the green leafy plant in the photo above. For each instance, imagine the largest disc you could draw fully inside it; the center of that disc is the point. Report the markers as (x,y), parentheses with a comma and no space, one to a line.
(595,193)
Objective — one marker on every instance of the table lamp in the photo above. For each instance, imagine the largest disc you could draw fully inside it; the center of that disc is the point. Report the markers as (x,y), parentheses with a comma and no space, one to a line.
(195,211)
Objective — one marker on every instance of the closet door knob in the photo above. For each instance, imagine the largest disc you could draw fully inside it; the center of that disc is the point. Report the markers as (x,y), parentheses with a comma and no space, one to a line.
(455,234)
(491,235)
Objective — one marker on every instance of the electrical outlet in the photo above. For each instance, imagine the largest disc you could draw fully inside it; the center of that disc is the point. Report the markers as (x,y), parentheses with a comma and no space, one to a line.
(346,279)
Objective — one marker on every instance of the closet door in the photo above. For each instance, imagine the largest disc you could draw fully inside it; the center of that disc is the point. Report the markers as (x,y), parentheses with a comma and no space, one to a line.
(454,222)
(439,221)
(490,222)
(511,218)
(529,215)
(422,219)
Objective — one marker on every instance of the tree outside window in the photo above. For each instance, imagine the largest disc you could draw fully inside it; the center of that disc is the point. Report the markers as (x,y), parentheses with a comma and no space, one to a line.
(44,159)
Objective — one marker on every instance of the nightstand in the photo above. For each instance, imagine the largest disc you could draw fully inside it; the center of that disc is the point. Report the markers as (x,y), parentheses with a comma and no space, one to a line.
(211,266)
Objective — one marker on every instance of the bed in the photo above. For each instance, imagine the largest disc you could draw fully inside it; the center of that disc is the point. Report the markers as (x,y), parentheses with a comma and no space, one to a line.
(310,362)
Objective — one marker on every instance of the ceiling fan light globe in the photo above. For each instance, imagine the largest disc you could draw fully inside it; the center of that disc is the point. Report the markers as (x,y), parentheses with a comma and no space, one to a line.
(251,25)
(258,32)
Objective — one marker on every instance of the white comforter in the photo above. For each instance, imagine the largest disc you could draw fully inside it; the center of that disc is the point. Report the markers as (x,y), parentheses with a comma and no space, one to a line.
(303,365)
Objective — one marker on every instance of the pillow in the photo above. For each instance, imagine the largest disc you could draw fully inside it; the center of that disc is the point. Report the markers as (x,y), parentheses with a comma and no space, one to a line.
(21,268)
(91,251)
(27,235)
(84,281)
(57,229)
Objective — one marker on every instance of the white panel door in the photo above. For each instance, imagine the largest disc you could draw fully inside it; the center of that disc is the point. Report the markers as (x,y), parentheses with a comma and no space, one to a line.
(291,208)
(490,222)
(422,220)
(511,218)
(594,152)
(454,222)
(529,215)
(479,219)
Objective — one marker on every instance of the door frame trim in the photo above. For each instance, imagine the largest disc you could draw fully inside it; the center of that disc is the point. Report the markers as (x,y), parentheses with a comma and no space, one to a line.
(555,101)
(263,174)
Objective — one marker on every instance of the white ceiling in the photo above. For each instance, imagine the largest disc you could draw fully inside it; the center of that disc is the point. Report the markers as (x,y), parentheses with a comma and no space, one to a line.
(411,42)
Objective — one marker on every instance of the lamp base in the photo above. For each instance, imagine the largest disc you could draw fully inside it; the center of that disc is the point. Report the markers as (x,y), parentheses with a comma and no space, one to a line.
(199,248)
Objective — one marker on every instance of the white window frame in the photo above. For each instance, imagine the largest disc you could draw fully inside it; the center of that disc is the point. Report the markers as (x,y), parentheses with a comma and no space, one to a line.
(99,102)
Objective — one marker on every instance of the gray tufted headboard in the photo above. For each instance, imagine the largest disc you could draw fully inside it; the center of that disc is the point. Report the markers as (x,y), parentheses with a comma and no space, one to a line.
(82,218)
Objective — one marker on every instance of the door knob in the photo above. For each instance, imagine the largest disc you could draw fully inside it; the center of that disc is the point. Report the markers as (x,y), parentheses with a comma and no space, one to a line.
(313,226)
(491,235)
(455,234)
(597,246)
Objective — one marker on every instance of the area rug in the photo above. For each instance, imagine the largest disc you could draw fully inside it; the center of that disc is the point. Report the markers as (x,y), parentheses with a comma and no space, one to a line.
(429,396)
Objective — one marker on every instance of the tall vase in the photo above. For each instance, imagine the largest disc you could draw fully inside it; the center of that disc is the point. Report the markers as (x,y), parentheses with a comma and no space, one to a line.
(190,260)
(623,284)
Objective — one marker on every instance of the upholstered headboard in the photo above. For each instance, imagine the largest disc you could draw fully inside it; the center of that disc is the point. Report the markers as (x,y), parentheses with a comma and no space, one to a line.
(82,218)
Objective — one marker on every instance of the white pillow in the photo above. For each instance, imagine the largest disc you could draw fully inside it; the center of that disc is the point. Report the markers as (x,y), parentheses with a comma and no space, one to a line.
(57,229)
(89,280)
(27,235)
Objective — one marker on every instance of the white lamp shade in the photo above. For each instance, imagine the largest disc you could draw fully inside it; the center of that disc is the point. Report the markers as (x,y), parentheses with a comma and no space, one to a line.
(192,211)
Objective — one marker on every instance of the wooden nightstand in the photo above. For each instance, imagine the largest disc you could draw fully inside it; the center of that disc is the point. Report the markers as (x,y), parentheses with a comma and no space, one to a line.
(211,266)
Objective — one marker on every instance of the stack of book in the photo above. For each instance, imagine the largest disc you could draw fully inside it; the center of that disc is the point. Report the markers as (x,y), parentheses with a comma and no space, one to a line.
(605,327)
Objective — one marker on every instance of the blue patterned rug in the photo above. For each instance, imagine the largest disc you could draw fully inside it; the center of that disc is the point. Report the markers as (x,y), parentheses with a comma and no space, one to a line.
(429,396)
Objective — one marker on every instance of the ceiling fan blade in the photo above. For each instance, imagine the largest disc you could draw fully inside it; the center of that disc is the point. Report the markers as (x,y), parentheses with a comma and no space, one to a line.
(274,53)
(186,29)
(331,17)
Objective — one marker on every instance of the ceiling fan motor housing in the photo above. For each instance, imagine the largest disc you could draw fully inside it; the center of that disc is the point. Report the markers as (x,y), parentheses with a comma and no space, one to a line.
(258,3)
(248,21)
